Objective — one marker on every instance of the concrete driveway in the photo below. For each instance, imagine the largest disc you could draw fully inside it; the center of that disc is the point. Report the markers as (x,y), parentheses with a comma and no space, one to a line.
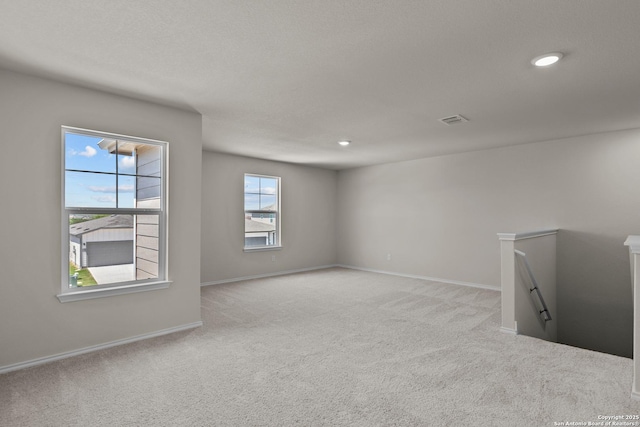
(113,273)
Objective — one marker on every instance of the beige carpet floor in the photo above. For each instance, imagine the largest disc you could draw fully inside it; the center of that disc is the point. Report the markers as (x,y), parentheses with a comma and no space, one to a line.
(334,347)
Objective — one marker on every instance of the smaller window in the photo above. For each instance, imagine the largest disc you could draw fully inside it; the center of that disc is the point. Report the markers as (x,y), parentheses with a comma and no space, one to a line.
(261,212)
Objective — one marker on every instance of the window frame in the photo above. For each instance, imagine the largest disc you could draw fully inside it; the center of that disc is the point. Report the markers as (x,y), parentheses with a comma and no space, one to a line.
(278,214)
(69,293)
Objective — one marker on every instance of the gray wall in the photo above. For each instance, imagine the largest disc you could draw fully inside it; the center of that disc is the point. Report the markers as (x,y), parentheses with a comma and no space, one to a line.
(33,323)
(439,217)
(308,218)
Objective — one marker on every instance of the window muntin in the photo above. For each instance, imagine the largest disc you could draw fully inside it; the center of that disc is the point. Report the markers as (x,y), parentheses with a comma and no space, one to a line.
(114,225)
(261,211)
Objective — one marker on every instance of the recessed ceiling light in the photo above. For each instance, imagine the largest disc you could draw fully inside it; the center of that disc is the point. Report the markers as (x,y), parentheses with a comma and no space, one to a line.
(547,59)
(344,142)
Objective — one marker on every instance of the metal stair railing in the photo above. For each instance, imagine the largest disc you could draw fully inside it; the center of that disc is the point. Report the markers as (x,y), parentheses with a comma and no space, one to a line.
(542,306)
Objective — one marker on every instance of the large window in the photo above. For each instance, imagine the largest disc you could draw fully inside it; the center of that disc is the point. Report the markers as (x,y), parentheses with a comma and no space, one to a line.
(113,221)
(261,212)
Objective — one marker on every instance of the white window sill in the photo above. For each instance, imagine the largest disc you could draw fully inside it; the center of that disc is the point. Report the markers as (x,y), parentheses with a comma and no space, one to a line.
(262,248)
(89,293)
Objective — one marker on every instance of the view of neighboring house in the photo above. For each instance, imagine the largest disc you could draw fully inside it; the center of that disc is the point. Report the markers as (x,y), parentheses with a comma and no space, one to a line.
(260,227)
(139,245)
(259,233)
(102,241)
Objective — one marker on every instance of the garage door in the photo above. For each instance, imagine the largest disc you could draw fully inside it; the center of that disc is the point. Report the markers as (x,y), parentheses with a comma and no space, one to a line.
(109,253)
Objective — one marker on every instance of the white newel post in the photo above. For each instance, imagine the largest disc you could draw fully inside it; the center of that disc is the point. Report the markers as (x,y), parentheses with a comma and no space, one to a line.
(633,242)
(508,282)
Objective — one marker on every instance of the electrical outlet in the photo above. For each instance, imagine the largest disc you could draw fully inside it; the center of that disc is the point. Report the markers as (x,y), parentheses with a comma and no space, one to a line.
(389,256)
(273,258)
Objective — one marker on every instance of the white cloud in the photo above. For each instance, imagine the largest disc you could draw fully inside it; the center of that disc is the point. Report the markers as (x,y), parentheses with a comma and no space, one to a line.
(89,151)
(104,199)
(127,162)
(106,189)
(111,189)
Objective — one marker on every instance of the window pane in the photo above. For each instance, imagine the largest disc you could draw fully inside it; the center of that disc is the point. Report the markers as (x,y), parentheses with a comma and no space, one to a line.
(101,249)
(259,229)
(268,186)
(108,249)
(251,202)
(83,152)
(251,184)
(147,192)
(268,202)
(126,158)
(86,189)
(126,191)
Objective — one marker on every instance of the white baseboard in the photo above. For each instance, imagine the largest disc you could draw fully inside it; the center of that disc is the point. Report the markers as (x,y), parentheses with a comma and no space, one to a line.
(47,359)
(508,331)
(262,276)
(635,395)
(433,279)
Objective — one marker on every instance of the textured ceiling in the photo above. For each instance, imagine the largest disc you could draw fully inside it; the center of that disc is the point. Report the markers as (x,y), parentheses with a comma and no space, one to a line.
(286,79)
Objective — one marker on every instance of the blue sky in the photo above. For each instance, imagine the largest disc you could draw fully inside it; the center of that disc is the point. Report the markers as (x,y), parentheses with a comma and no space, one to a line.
(87,189)
(259,192)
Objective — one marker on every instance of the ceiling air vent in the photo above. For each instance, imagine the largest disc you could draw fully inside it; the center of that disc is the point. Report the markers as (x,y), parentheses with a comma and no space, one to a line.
(453,120)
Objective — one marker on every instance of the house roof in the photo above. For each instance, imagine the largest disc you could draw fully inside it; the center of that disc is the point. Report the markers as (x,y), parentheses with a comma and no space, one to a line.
(257,226)
(286,80)
(270,208)
(111,221)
